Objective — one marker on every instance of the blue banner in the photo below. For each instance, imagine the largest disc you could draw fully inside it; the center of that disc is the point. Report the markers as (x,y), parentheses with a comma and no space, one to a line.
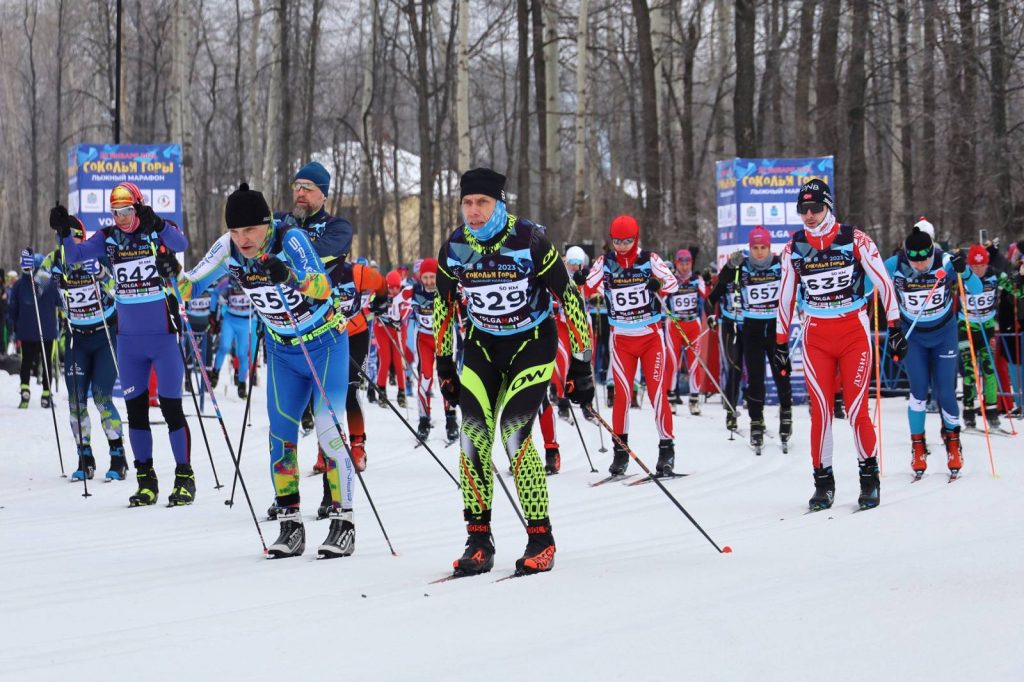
(94,169)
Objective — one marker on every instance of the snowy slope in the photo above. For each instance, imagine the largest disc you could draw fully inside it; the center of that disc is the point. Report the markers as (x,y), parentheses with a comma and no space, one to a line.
(929,586)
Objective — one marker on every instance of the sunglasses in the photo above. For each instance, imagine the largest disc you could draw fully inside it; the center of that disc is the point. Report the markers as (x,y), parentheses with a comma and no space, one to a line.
(812,206)
(303,187)
(919,254)
(624,242)
(123,212)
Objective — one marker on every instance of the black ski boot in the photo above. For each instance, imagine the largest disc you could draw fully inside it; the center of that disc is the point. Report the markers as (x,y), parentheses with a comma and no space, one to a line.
(341,538)
(838,410)
(26,396)
(400,400)
(731,422)
(451,427)
(86,464)
(786,424)
(540,549)
(241,390)
(118,464)
(695,405)
(479,555)
(968,418)
(214,377)
(423,430)
(148,486)
(824,489)
(869,485)
(371,394)
(272,511)
(382,397)
(292,539)
(45,400)
(327,502)
(620,457)
(757,435)
(552,459)
(666,457)
(609,395)
(184,490)
(563,410)
(308,422)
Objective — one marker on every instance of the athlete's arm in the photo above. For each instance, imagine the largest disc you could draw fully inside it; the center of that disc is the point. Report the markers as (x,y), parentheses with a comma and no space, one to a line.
(311,277)
(787,296)
(867,253)
(446,306)
(209,270)
(172,237)
(93,247)
(594,286)
(551,271)
(664,274)
(335,240)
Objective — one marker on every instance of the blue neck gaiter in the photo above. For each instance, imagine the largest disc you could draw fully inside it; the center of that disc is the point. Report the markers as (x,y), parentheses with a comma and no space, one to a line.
(492,227)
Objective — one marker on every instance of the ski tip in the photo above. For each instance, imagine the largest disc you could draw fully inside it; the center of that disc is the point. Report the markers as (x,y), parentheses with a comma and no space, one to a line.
(726,549)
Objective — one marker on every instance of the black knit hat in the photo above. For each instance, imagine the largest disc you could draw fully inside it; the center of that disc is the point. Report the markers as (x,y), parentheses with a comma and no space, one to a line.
(246,207)
(482,181)
(918,243)
(815,190)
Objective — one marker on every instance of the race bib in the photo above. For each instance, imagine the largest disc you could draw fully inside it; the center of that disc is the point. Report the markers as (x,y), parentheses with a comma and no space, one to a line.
(82,303)
(268,302)
(981,304)
(921,303)
(763,295)
(199,305)
(685,305)
(239,303)
(500,306)
(425,321)
(137,278)
(830,289)
(631,298)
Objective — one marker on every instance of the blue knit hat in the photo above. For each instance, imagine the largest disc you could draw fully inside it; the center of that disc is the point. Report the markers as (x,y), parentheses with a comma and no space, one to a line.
(317,174)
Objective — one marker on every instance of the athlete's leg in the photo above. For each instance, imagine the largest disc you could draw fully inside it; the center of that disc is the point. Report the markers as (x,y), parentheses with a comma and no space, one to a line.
(624,361)
(170,373)
(656,364)
(329,353)
(755,343)
(855,367)
(820,371)
(481,381)
(425,372)
(288,390)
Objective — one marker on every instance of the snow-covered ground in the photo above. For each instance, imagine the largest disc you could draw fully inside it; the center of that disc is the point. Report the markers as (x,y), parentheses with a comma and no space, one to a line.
(929,586)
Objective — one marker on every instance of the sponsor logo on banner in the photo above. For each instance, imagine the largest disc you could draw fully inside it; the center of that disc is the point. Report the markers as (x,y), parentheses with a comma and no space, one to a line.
(751,213)
(163,200)
(727,215)
(774,214)
(94,201)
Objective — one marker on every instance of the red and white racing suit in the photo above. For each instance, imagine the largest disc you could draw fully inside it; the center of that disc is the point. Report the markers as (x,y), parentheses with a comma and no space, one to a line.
(686,304)
(388,333)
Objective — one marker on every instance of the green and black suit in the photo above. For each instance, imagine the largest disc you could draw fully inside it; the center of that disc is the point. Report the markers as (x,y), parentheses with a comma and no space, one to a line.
(510,350)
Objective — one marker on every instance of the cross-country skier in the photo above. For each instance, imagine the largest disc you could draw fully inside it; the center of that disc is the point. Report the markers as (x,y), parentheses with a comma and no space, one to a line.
(827,262)
(89,367)
(424,293)
(22,310)
(726,294)
(205,322)
(268,260)
(931,360)
(391,319)
(147,324)
(685,308)
(237,333)
(633,281)
(508,270)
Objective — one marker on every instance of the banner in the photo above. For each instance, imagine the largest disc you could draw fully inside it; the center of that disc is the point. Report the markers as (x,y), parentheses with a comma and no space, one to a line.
(755,192)
(94,169)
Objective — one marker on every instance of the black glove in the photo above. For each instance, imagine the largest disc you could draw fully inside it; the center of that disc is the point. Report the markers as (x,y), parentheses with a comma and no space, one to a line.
(959,261)
(579,277)
(167,264)
(712,322)
(448,378)
(897,343)
(276,269)
(148,220)
(579,382)
(780,359)
(214,326)
(379,304)
(61,221)
(653,285)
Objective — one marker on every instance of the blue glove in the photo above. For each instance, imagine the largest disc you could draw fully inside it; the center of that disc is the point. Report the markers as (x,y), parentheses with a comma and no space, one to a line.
(92,266)
(28,260)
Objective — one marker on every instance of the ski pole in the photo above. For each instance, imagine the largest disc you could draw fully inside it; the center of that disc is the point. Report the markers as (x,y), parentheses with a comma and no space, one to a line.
(597,371)
(73,369)
(940,275)
(245,419)
(878,384)
(362,375)
(707,371)
(995,371)
(977,376)
(622,444)
(584,442)
(327,403)
(46,370)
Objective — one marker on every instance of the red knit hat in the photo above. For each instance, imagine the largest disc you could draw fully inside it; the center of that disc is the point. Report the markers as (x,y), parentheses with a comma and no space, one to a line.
(428,265)
(978,255)
(759,236)
(393,280)
(624,227)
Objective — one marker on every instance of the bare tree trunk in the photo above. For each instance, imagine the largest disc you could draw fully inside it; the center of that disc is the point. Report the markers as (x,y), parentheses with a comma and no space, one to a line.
(523,153)
(554,119)
(743,95)
(802,86)
(826,119)
(29,25)
(465,142)
(257,166)
(906,112)
(540,86)
(239,146)
(855,114)
(58,139)
(964,165)
(1000,159)
(284,93)
(928,168)
(181,110)
(722,62)
(653,220)
(310,80)
(579,213)
(272,151)
(368,220)
(420,28)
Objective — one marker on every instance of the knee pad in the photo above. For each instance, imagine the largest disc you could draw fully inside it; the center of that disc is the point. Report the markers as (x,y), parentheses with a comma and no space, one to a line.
(173,414)
(138,411)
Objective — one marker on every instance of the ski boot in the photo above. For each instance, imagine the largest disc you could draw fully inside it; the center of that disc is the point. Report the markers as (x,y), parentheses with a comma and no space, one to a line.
(954,456)
(563,410)
(358,447)
(26,396)
(400,400)
(757,435)
(423,430)
(620,457)
(824,489)
(479,555)
(382,397)
(869,485)
(214,377)
(634,401)
(694,405)
(86,464)
(319,466)
(45,400)
(292,539)
(675,397)
(148,486)
(540,549)
(968,418)
(241,390)
(918,454)
(609,395)
(272,511)
(552,458)
(838,410)
(785,424)
(327,502)
(308,422)
(451,427)
(341,538)
(118,464)
(994,423)
(184,490)
(731,422)
(371,393)
(666,457)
